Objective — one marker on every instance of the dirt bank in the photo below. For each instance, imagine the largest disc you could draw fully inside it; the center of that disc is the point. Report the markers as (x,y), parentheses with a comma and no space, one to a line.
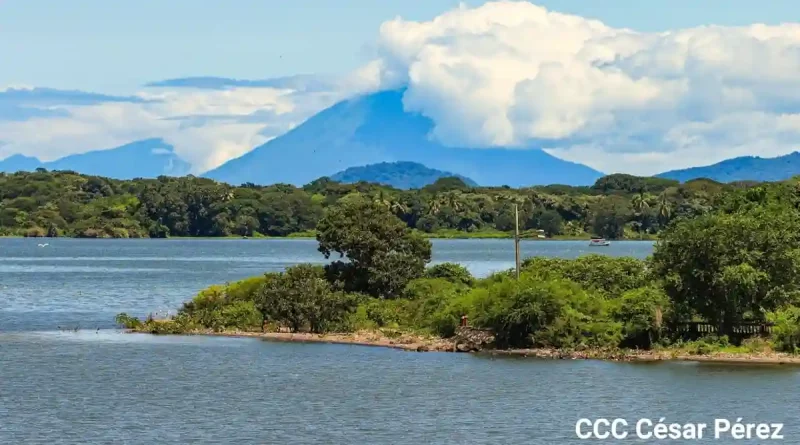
(412,342)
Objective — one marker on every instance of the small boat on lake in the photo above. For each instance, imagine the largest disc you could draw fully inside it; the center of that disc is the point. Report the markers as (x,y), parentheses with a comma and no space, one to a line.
(599,242)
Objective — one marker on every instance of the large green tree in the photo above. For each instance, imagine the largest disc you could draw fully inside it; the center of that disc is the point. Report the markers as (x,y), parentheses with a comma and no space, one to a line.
(730,267)
(382,253)
(609,217)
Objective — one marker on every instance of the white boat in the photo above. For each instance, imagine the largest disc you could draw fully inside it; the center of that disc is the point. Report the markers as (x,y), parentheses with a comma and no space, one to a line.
(599,242)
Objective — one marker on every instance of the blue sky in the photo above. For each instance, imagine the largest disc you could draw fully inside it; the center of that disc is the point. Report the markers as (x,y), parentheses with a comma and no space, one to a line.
(635,86)
(116,46)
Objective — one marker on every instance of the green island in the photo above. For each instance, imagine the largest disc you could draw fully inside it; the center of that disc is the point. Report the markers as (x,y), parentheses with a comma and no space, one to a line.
(63,203)
(723,284)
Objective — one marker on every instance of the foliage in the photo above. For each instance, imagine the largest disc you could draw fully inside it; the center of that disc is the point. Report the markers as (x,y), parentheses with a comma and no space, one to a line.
(383,255)
(609,217)
(452,272)
(126,321)
(786,329)
(302,297)
(730,267)
(421,309)
(550,221)
(543,313)
(727,255)
(68,204)
(705,345)
(610,276)
(620,182)
(230,306)
(401,175)
(642,312)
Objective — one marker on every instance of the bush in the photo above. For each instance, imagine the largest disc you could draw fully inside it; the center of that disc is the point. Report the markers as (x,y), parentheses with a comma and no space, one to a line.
(706,345)
(452,272)
(301,298)
(355,321)
(119,232)
(35,232)
(731,267)
(543,313)
(241,315)
(609,275)
(386,313)
(127,322)
(786,331)
(641,312)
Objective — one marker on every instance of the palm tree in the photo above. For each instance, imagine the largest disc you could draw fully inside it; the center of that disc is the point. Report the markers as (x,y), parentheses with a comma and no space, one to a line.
(664,207)
(453,200)
(397,207)
(381,199)
(434,205)
(640,205)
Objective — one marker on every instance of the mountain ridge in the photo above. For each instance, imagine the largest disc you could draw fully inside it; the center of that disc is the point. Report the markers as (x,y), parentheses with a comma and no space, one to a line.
(402,175)
(375,128)
(742,168)
(146,158)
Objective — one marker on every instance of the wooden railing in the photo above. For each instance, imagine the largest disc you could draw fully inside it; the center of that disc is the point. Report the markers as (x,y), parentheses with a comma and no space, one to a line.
(743,329)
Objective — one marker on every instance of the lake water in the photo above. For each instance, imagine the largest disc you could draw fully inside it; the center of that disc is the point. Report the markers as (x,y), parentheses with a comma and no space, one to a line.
(98,387)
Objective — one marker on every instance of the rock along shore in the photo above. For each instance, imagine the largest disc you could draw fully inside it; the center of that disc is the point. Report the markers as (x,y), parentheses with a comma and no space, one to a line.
(412,342)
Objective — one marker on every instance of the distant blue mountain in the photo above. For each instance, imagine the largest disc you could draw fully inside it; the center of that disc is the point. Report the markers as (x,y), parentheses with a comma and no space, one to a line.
(400,175)
(17,163)
(147,158)
(374,128)
(745,168)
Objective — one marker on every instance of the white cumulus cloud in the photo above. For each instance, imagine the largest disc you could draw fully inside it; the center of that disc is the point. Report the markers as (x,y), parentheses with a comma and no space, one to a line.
(515,74)
(206,127)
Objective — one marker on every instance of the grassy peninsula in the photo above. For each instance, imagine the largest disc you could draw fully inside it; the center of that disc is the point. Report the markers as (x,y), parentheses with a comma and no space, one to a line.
(737,264)
(64,203)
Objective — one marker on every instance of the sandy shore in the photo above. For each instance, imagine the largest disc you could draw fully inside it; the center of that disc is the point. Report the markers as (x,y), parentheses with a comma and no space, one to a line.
(772,358)
(410,342)
(406,342)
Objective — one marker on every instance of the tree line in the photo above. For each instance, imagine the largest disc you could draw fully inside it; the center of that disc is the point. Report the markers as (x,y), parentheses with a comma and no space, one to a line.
(64,203)
(739,262)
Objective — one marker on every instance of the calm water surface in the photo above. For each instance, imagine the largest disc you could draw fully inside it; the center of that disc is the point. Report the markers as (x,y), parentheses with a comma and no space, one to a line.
(101,387)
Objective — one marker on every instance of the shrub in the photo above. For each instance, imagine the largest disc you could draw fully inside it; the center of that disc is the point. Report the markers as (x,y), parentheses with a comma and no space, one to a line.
(35,232)
(609,275)
(641,312)
(786,331)
(355,321)
(543,313)
(706,345)
(301,297)
(241,315)
(386,313)
(731,267)
(119,232)
(452,272)
(126,321)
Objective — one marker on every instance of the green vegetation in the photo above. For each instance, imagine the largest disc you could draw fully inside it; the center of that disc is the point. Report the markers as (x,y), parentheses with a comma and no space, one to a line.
(63,203)
(737,264)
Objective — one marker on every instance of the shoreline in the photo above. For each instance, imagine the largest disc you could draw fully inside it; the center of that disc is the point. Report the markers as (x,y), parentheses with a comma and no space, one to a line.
(415,343)
(267,238)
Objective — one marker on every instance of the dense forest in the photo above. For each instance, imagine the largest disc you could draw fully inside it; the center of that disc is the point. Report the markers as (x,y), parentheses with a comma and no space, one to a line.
(731,269)
(64,203)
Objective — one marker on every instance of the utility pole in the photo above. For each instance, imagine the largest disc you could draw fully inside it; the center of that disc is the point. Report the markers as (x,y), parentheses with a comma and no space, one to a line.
(516,236)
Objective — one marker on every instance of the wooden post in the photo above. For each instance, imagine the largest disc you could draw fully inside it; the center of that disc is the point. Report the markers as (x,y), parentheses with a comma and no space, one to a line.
(516,237)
